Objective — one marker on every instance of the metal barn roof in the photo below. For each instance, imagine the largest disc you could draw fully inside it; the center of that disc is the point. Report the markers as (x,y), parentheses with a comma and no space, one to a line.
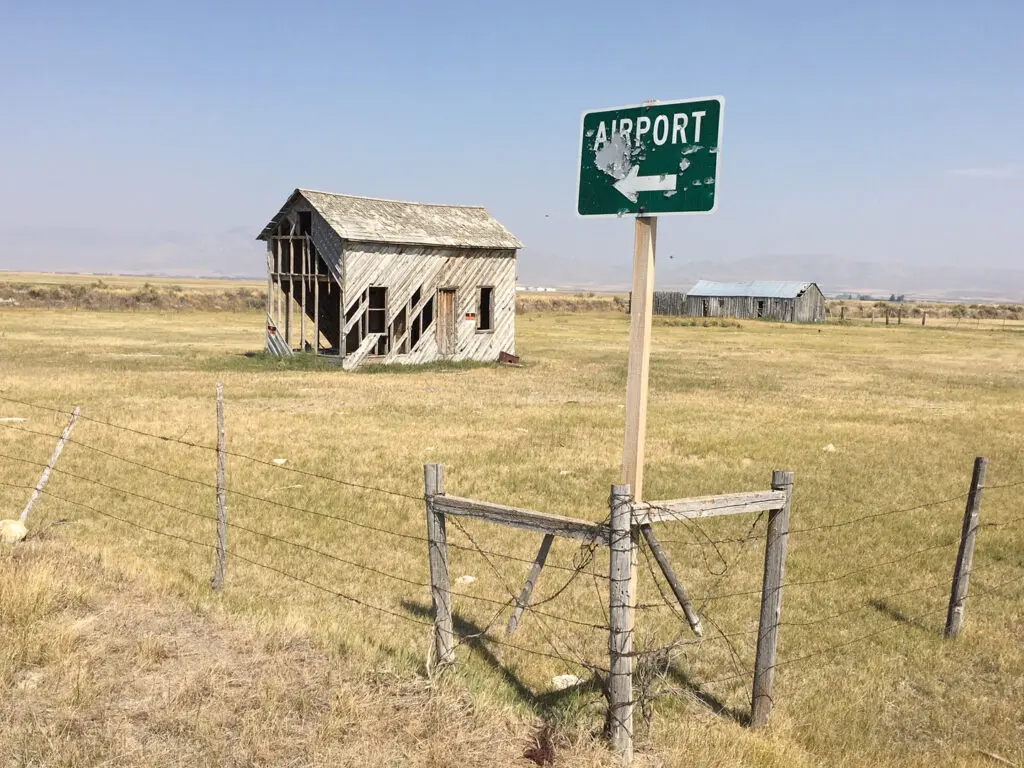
(368,219)
(761,289)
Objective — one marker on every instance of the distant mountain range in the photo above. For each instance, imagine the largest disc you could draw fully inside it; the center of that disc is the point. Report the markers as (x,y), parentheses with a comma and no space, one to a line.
(235,253)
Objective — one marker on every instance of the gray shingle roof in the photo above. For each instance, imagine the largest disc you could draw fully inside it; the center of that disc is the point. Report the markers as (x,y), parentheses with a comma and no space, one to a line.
(368,219)
(762,289)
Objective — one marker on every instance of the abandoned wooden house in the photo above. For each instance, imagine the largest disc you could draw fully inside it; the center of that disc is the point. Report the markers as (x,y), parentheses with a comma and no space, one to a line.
(366,280)
(788,301)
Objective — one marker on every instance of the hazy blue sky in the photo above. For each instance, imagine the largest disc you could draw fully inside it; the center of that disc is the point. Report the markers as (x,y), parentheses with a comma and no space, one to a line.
(162,136)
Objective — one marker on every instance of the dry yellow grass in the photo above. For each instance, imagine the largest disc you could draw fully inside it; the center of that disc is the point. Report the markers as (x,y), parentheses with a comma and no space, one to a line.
(906,410)
(131,282)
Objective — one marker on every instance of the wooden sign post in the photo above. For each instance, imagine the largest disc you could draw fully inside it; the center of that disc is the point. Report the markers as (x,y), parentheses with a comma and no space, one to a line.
(641,311)
(650,159)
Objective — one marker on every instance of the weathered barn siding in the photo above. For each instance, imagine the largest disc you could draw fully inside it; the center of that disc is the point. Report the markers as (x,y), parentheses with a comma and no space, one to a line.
(808,307)
(406,269)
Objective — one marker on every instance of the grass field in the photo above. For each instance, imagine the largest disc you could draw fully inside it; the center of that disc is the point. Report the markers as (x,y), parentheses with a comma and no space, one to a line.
(114,649)
(131,282)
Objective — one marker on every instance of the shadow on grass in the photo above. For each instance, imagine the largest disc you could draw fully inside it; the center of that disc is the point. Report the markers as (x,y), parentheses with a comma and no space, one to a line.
(252,362)
(262,360)
(897,615)
(709,700)
(438,366)
(549,706)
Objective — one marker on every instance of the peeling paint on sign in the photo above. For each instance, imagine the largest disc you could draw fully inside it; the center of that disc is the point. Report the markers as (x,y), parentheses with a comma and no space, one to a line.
(650,159)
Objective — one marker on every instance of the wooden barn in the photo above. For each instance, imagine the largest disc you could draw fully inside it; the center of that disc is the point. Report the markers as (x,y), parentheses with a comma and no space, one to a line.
(366,280)
(788,301)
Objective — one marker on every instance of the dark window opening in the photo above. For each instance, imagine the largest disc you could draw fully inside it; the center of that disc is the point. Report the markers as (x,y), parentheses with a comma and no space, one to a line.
(382,345)
(760,309)
(485,316)
(305,222)
(705,307)
(427,314)
(417,294)
(421,322)
(414,333)
(377,311)
(721,303)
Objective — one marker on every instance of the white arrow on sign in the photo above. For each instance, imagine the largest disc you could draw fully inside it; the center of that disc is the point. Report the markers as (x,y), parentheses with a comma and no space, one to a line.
(633,183)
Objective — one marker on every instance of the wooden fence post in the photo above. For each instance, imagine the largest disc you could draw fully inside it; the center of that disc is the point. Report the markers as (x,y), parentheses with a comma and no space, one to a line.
(924,319)
(440,586)
(49,467)
(622,583)
(964,557)
(221,568)
(771,602)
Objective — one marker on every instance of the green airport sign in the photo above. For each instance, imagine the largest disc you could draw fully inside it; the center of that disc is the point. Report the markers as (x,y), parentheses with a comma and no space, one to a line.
(652,159)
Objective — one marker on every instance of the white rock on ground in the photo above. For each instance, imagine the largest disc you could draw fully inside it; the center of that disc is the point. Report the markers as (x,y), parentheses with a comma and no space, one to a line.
(829,448)
(561,682)
(12,531)
(465,579)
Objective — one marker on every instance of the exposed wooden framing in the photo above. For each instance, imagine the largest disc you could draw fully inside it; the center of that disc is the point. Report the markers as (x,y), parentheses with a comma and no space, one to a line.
(621,610)
(316,301)
(291,295)
(692,617)
(531,581)
(270,279)
(771,603)
(304,244)
(524,518)
(965,555)
(440,585)
(709,506)
(277,316)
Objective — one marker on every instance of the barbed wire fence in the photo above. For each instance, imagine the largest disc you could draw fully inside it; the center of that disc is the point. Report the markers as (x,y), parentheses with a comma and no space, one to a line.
(656,663)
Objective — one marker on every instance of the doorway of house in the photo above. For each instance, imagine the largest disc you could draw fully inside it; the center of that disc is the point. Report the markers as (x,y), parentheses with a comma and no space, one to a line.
(446,322)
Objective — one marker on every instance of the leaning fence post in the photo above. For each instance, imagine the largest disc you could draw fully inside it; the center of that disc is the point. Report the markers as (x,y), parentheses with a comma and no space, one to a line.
(49,467)
(621,575)
(220,570)
(440,586)
(964,557)
(771,602)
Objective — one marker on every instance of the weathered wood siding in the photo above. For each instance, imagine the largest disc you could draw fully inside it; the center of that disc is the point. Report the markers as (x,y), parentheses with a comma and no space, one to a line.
(406,269)
(808,308)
